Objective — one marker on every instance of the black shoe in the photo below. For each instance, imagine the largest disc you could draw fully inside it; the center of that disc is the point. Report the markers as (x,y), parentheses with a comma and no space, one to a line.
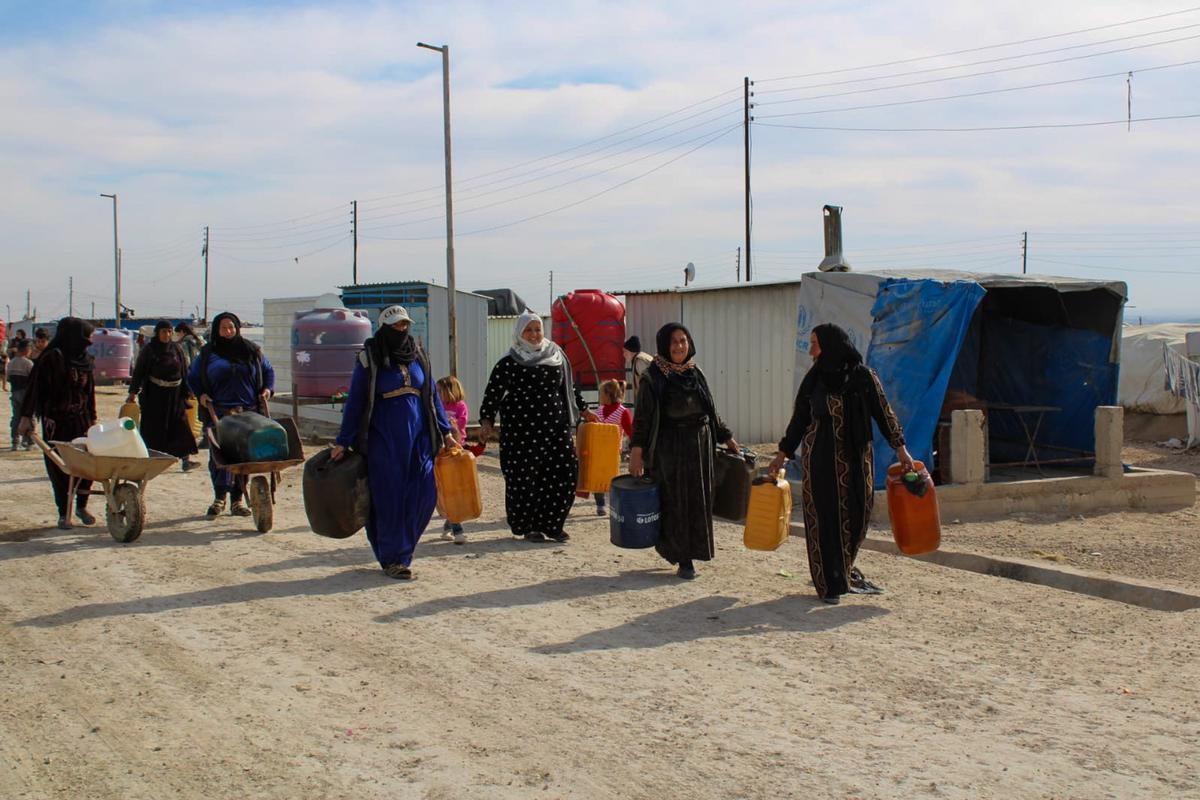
(85,516)
(832,600)
(686,571)
(560,537)
(535,537)
(64,524)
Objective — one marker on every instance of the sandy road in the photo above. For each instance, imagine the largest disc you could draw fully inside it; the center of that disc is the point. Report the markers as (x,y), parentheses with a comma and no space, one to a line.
(205,660)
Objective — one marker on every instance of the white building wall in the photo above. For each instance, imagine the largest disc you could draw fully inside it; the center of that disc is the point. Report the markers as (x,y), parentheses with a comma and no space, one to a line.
(745,343)
(470,312)
(278,315)
(646,313)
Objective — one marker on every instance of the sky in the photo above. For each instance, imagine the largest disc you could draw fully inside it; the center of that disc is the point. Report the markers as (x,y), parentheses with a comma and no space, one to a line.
(595,145)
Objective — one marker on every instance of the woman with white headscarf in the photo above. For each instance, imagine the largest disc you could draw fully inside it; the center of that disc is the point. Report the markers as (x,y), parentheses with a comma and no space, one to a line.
(539,405)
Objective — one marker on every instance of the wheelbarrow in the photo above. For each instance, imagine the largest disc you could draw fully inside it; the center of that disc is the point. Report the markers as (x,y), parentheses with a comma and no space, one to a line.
(260,478)
(124,479)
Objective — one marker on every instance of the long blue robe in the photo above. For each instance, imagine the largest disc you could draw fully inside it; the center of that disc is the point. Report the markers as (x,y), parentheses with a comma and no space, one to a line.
(400,454)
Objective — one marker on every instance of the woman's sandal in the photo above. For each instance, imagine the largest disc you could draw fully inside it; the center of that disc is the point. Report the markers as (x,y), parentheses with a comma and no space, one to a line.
(398,571)
(860,585)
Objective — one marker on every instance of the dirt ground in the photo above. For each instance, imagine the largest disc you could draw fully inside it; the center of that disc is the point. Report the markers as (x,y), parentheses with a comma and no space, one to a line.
(206,660)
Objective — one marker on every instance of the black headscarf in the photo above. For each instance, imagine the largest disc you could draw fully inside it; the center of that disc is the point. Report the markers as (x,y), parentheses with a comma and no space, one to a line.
(72,339)
(394,348)
(236,349)
(160,347)
(185,329)
(839,370)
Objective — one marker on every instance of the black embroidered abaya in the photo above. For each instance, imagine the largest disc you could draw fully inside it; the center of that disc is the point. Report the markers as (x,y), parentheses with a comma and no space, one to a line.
(831,424)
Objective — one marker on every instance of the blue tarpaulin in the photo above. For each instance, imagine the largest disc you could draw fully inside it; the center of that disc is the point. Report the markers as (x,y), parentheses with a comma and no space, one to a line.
(918,328)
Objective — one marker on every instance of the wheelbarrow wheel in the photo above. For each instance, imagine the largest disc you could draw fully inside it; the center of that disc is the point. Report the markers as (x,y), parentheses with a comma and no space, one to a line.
(261,507)
(125,513)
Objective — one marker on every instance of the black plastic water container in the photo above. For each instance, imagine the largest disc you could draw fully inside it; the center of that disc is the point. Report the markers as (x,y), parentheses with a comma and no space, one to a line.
(250,436)
(633,512)
(337,499)
(732,477)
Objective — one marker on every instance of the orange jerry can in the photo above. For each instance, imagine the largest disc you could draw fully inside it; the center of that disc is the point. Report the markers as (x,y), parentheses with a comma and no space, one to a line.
(913,510)
(599,446)
(131,410)
(193,417)
(769,514)
(457,481)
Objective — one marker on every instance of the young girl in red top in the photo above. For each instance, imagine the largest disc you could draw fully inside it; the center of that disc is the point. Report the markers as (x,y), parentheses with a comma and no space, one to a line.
(455,401)
(612,393)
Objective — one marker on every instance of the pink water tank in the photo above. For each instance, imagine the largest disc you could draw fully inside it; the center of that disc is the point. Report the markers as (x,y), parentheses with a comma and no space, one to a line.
(325,342)
(112,350)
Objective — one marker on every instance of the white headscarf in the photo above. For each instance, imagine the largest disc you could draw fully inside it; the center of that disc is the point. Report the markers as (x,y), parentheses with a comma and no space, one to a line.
(545,354)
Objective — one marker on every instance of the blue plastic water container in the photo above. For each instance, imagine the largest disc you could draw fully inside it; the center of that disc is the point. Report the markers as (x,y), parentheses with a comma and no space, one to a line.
(633,512)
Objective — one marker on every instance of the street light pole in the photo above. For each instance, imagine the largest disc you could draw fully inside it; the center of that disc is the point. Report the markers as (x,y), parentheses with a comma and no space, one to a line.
(116,266)
(451,316)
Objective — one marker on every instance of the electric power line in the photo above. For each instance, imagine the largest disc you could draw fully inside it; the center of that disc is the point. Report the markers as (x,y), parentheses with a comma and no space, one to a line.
(983,128)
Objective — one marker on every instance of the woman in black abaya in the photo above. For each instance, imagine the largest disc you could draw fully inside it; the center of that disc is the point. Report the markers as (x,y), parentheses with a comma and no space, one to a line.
(674,432)
(159,382)
(831,424)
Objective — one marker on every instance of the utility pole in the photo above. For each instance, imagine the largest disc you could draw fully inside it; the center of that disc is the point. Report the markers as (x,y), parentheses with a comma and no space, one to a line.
(1024,251)
(552,291)
(26,304)
(71,296)
(452,318)
(93,309)
(204,252)
(746,147)
(116,265)
(737,266)
(354,233)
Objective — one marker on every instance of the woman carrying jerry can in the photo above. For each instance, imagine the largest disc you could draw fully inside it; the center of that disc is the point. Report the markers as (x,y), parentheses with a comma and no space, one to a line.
(831,424)
(539,406)
(673,435)
(392,386)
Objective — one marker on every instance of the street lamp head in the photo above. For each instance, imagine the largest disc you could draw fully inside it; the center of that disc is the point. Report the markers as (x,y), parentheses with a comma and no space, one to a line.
(431,47)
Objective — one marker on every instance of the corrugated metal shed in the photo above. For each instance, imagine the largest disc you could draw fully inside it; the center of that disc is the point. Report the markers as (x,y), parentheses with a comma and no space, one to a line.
(745,343)
(278,315)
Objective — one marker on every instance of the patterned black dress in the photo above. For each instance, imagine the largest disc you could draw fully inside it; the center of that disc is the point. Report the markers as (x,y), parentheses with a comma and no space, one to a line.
(838,485)
(537,455)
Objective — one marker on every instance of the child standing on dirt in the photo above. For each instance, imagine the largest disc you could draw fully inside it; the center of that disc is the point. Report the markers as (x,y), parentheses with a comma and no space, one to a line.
(454,399)
(611,411)
(17,372)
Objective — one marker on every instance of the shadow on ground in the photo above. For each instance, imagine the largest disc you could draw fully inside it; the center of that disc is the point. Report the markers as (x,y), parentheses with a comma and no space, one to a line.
(718,617)
(337,583)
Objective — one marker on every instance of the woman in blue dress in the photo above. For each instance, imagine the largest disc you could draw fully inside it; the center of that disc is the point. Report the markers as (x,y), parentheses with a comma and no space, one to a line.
(231,375)
(395,416)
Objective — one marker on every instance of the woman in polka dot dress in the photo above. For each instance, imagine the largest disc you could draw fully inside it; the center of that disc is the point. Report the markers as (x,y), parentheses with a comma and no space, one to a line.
(539,407)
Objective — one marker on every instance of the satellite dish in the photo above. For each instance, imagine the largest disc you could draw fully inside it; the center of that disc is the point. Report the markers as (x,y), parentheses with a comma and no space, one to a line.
(689,273)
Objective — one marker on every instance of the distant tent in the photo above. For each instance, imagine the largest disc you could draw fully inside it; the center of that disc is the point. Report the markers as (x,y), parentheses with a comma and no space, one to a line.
(961,339)
(503,302)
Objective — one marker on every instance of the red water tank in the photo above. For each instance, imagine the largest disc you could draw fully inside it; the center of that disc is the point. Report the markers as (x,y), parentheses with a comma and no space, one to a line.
(325,342)
(112,350)
(590,326)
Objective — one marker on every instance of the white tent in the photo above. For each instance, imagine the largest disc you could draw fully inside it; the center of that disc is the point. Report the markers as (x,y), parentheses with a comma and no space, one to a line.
(1143,384)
